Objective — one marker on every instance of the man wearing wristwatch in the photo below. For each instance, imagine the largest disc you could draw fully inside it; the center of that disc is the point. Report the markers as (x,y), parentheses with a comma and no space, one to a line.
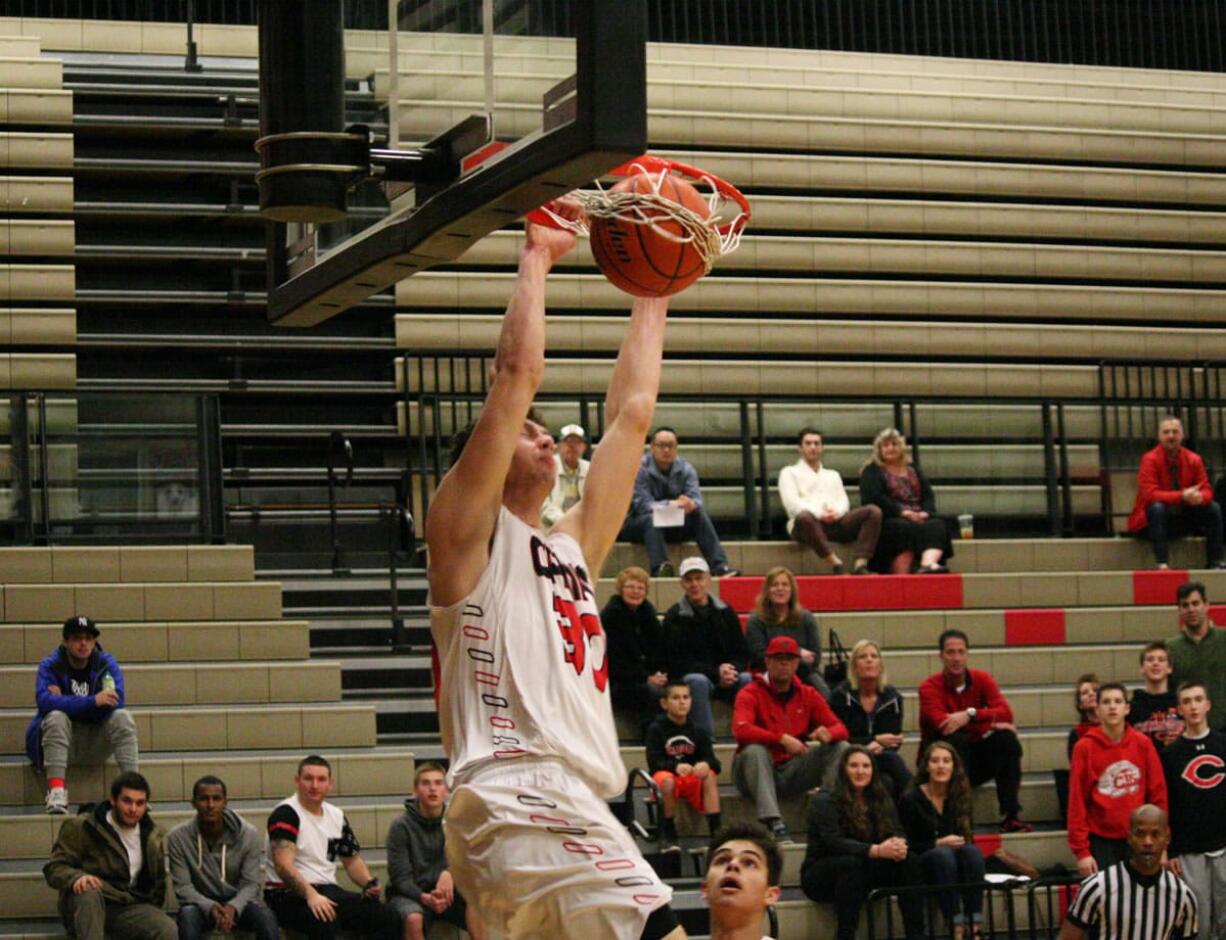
(966,708)
(306,836)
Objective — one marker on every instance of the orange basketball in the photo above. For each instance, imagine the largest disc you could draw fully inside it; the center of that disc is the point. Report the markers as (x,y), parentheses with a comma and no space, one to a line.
(637,258)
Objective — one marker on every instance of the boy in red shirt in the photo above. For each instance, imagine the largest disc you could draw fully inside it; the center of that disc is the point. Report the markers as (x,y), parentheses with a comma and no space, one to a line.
(1115,770)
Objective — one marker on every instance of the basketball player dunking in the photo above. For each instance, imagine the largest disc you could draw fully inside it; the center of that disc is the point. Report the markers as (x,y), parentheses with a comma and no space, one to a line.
(522,675)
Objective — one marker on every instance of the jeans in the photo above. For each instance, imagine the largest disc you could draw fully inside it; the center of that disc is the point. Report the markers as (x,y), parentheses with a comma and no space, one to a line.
(945,865)
(701,690)
(194,922)
(1165,522)
(697,526)
(847,879)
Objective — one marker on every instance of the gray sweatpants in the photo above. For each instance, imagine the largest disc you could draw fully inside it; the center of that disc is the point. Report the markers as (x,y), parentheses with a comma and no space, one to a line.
(89,742)
(1206,877)
(756,775)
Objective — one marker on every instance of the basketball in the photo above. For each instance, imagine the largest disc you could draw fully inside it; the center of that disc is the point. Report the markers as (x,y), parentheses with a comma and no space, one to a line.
(637,258)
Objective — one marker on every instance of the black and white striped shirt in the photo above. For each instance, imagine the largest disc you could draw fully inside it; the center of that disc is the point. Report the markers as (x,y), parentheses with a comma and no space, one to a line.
(1126,905)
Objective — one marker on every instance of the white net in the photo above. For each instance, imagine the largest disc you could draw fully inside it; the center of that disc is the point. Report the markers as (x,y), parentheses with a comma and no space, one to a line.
(710,237)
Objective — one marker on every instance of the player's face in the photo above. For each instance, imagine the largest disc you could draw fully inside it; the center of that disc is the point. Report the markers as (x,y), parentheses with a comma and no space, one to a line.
(533,463)
(1148,838)
(314,784)
(1192,612)
(954,655)
(677,702)
(859,771)
(1087,697)
(1112,708)
(664,449)
(940,765)
(1194,705)
(130,806)
(1170,434)
(811,448)
(697,586)
(1157,666)
(570,449)
(80,647)
(633,592)
(737,881)
(431,791)
(781,669)
(209,801)
(868,663)
(780,591)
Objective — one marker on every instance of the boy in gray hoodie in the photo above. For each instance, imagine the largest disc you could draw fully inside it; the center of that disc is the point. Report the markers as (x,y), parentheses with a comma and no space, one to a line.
(215,865)
(419,887)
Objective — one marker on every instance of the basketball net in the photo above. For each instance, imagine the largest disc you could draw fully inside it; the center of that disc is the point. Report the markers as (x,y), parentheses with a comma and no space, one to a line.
(710,237)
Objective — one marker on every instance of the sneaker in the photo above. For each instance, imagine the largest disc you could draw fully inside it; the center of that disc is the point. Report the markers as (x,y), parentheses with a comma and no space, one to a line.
(779,832)
(1013,824)
(669,846)
(57,801)
(723,571)
(1217,565)
(665,570)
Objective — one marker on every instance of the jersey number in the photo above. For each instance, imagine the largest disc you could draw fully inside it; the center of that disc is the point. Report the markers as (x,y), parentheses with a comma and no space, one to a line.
(577,630)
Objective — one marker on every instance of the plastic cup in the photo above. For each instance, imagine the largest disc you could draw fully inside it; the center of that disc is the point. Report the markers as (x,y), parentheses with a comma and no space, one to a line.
(966,526)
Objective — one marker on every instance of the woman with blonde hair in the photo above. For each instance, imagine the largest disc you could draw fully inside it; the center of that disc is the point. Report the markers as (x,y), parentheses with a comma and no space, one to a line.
(635,641)
(911,533)
(778,613)
(871,709)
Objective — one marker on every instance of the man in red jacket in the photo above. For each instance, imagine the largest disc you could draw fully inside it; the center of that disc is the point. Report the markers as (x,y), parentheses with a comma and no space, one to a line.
(788,739)
(1115,770)
(964,707)
(1174,497)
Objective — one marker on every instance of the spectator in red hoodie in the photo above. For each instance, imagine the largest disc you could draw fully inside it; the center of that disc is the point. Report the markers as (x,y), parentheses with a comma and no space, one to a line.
(1115,771)
(965,707)
(788,739)
(1174,497)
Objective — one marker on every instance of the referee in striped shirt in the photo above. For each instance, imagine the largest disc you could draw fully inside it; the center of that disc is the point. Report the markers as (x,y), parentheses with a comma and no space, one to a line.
(1137,899)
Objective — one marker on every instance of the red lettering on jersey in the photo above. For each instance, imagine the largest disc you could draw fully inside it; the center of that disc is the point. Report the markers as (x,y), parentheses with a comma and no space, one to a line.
(1211,762)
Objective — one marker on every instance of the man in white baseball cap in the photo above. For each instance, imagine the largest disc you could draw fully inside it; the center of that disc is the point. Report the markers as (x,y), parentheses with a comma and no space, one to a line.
(572,474)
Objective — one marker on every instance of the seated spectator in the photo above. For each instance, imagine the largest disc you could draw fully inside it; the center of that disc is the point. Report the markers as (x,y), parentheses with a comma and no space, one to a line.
(664,477)
(1115,770)
(819,511)
(964,706)
(419,886)
(1154,710)
(81,716)
(705,643)
(215,861)
(936,815)
(856,844)
(109,867)
(911,532)
(778,613)
(306,835)
(1174,497)
(572,475)
(742,880)
(1085,696)
(871,709)
(788,740)
(681,760)
(637,659)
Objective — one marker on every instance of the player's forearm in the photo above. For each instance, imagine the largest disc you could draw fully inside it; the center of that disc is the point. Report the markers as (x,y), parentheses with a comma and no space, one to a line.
(521,345)
(636,376)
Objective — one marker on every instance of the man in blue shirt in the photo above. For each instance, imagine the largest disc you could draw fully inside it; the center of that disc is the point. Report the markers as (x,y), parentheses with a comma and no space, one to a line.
(664,477)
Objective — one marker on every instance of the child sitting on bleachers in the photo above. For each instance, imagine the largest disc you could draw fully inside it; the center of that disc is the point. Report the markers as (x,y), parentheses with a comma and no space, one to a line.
(681,759)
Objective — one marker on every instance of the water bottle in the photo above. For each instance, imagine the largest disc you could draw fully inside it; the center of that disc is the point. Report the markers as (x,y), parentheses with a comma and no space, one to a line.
(108,682)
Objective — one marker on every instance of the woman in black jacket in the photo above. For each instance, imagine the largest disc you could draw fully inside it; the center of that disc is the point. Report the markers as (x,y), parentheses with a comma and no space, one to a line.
(871,709)
(936,813)
(856,845)
(636,646)
(911,532)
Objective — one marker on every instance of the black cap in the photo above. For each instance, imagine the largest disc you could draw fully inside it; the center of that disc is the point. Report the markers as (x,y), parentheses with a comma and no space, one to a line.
(80,625)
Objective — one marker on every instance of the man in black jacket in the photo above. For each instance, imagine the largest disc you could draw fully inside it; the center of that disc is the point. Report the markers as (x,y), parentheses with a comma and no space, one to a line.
(707,648)
(420,888)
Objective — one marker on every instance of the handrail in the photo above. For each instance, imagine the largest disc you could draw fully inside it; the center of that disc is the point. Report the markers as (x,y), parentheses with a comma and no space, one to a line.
(338,445)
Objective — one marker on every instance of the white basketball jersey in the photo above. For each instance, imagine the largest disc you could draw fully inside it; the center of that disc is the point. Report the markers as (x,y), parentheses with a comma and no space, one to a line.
(522,667)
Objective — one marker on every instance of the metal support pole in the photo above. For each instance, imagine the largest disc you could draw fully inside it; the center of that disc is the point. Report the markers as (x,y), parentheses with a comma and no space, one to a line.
(393,74)
(1049,466)
(747,474)
(1065,475)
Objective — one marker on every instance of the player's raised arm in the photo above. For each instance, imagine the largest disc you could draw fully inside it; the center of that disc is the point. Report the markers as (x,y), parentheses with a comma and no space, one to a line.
(631,401)
(464,509)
